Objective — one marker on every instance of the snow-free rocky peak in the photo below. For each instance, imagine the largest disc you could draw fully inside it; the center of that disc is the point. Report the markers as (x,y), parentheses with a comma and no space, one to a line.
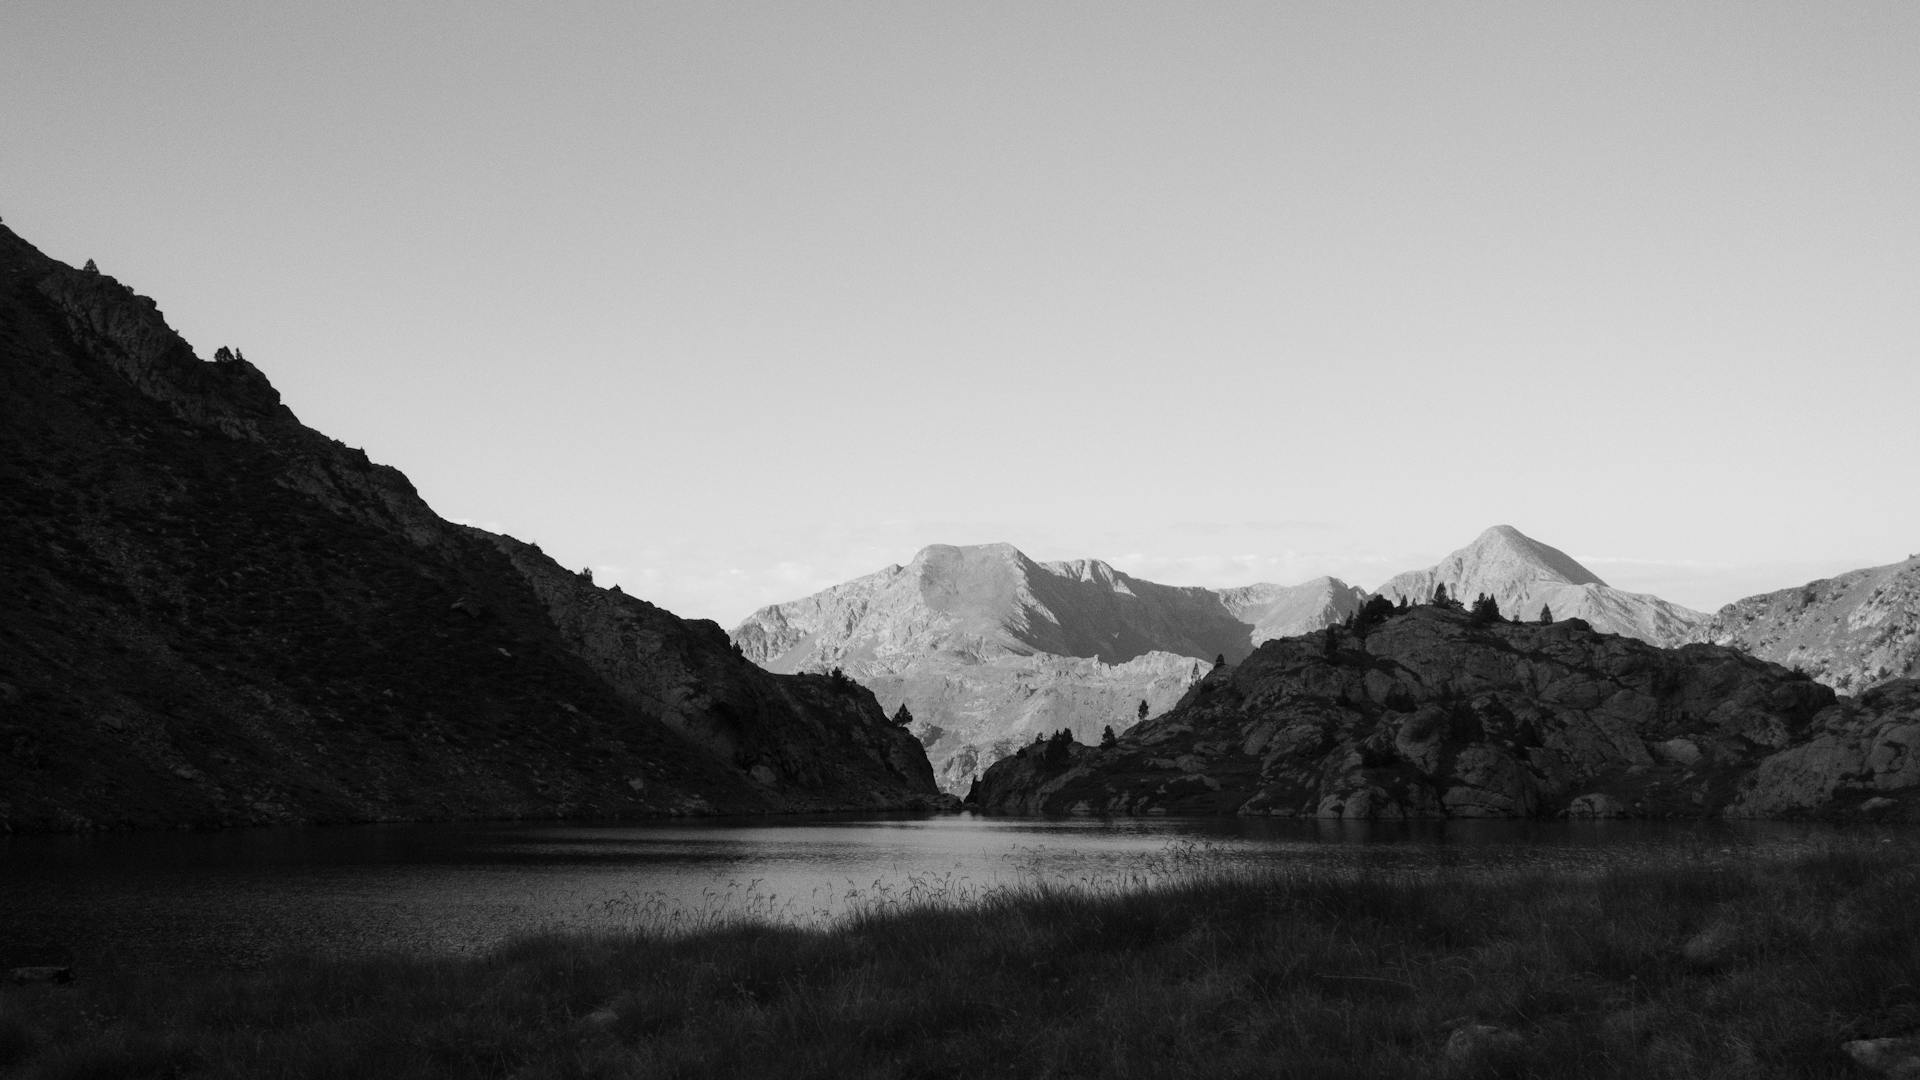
(991,599)
(1524,575)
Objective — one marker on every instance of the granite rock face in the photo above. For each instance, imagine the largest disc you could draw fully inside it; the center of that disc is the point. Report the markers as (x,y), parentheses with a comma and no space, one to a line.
(1850,632)
(1524,575)
(987,647)
(1432,713)
(214,615)
(1867,756)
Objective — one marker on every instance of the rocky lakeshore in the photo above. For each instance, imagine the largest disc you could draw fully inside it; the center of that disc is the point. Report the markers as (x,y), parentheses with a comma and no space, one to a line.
(1432,712)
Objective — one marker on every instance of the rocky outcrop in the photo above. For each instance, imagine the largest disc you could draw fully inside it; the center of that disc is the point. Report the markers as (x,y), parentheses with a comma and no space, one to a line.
(1433,713)
(1850,632)
(214,615)
(1525,575)
(1866,758)
(987,647)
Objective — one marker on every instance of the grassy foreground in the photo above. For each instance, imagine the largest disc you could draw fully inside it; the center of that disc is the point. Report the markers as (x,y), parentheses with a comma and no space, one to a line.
(1751,969)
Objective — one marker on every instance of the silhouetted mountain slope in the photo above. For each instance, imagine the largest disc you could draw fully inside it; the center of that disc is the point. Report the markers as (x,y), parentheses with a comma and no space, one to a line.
(1524,575)
(987,647)
(1436,714)
(214,615)
(1850,632)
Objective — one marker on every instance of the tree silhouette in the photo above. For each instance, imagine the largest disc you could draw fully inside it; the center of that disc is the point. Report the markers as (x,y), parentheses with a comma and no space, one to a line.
(1376,610)
(901,717)
(1107,737)
(1440,598)
(1141,712)
(1546,614)
(1059,749)
(1485,609)
(1220,661)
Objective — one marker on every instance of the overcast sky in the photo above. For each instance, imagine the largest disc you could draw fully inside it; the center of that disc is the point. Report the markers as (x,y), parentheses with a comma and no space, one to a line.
(736,301)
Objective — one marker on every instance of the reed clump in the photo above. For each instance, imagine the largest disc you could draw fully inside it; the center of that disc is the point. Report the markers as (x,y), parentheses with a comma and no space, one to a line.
(1737,968)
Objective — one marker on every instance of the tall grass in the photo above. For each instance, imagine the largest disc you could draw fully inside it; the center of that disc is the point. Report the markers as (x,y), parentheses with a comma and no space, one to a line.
(1737,969)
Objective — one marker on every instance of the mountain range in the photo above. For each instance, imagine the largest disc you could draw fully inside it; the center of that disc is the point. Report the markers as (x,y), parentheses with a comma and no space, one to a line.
(214,615)
(989,649)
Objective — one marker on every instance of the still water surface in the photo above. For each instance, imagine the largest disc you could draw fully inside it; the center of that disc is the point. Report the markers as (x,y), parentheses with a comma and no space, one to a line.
(242,897)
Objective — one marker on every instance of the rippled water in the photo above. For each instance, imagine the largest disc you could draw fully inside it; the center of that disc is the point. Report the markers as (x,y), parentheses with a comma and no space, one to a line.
(240,898)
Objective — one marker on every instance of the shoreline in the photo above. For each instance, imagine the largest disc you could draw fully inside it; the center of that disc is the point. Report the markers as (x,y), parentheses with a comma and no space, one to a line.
(1759,967)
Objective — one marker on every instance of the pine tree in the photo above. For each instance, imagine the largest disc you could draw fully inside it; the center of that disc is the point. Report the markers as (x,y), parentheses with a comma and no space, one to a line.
(1375,611)
(1440,598)
(1220,661)
(1486,609)
(1141,712)
(901,717)
(1546,614)
(1107,737)
(1059,748)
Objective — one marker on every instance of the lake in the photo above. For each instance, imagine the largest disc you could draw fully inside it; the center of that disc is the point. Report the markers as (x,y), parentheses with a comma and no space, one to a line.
(240,898)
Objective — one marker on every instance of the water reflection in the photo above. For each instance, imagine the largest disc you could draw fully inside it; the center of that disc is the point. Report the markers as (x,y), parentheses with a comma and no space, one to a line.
(244,897)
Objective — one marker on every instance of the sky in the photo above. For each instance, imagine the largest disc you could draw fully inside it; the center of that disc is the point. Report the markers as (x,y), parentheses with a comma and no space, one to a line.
(735,301)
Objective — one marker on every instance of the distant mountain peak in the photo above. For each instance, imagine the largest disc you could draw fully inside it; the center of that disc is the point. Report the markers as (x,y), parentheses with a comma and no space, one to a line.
(1517,551)
(1525,577)
(1086,570)
(941,552)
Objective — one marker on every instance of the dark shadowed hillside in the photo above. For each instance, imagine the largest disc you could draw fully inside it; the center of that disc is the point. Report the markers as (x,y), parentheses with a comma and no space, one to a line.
(213,615)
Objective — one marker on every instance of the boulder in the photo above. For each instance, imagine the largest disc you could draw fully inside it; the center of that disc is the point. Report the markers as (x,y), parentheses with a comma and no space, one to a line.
(1476,1047)
(1596,805)
(45,974)
(1893,1057)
